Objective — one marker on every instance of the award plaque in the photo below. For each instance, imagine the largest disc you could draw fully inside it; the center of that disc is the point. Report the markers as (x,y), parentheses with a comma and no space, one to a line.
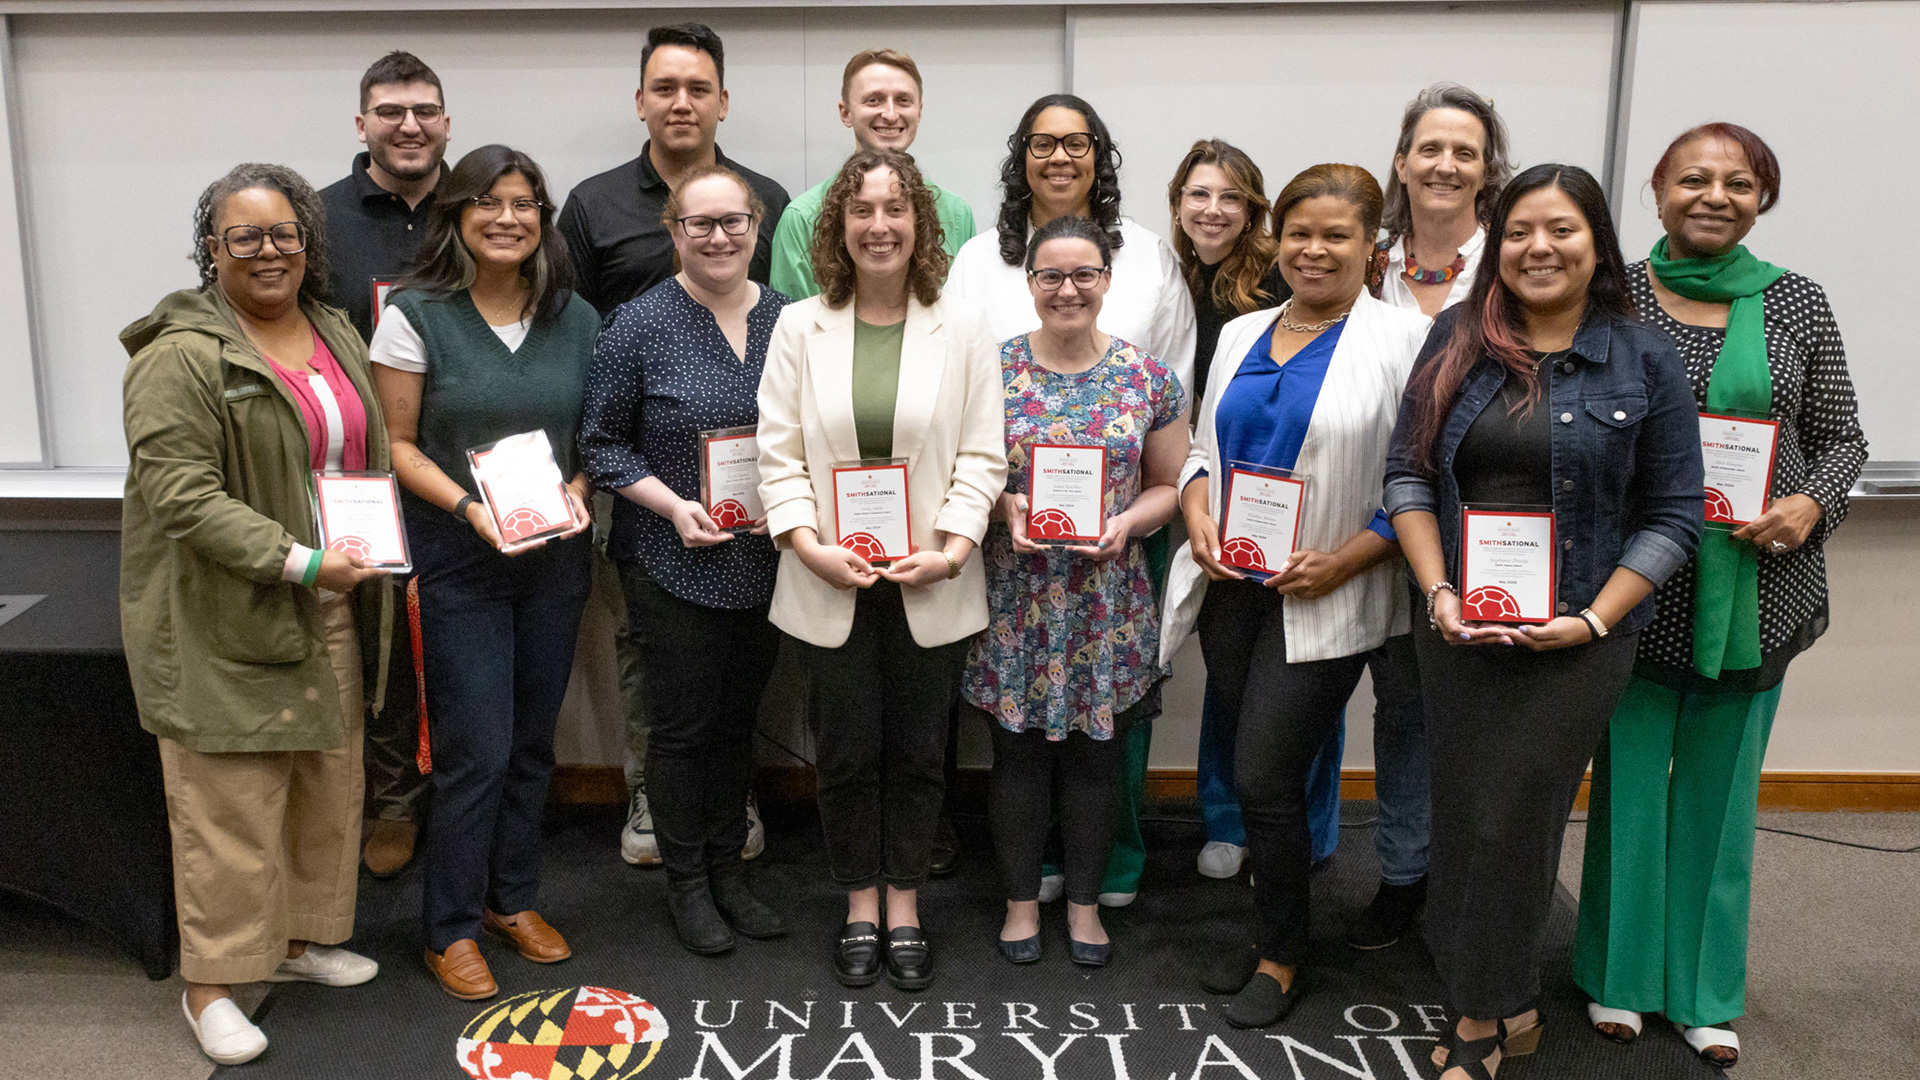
(1066,494)
(358,514)
(1738,454)
(870,508)
(521,487)
(1260,518)
(730,478)
(380,291)
(1507,564)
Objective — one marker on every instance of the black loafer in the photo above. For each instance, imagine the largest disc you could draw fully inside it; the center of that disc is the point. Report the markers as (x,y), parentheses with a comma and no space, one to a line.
(1087,954)
(1229,969)
(909,959)
(1024,951)
(1261,1002)
(856,959)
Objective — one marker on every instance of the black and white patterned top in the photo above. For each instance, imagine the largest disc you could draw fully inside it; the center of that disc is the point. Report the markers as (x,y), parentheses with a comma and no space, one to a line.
(1818,453)
(662,373)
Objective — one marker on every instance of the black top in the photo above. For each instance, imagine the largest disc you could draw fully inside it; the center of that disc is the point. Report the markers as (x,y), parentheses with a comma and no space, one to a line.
(661,374)
(371,236)
(1505,457)
(620,249)
(1209,318)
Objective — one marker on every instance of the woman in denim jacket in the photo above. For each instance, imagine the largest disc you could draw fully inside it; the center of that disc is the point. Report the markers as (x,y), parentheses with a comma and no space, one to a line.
(1542,388)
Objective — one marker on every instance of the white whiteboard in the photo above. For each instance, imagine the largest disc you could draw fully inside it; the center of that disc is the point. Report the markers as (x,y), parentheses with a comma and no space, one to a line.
(1835,90)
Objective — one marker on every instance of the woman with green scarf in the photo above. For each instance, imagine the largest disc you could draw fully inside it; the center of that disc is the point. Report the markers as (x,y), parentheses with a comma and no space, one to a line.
(1669,856)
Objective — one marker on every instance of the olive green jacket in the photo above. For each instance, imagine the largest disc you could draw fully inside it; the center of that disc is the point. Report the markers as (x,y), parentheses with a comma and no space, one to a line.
(225,656)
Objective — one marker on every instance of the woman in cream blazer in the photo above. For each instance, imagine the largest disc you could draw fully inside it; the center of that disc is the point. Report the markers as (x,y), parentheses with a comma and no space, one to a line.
(1314,387)
(880,366)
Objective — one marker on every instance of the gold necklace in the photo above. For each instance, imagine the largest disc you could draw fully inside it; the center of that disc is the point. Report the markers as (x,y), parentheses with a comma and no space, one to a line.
(1307,328)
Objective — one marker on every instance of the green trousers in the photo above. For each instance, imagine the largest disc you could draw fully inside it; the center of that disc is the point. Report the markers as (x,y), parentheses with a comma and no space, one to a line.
(1669,862)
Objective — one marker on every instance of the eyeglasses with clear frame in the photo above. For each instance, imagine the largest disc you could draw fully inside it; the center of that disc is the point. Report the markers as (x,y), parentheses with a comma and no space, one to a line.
(700,225)
(1200,198)
(522,208)
(1085,277)
(427,114)
(247,241)
(1077,145)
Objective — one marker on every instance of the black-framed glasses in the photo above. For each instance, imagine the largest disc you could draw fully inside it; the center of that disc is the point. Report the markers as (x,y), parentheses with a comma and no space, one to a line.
(522,208)
(247,241)
(395,115)
(1078,144)
(698,225)
(1085,277)
(1198,198)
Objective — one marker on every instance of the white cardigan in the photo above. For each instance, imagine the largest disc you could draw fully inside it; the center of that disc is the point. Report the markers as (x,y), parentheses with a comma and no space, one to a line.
(949,422)
(1344,458)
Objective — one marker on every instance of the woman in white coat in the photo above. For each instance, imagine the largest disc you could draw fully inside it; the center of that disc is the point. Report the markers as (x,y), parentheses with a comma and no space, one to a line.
(1312,387)
(879,366)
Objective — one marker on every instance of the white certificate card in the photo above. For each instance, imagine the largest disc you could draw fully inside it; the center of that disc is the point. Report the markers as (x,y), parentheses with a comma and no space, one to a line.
(1739,457)
(1508,565)
(730,477)
(1260,518)
(521,485)
(359,514)
(870,508)
(1066,493)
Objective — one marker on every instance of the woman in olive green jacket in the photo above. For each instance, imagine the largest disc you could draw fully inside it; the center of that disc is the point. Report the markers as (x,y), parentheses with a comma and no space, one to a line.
(244,643)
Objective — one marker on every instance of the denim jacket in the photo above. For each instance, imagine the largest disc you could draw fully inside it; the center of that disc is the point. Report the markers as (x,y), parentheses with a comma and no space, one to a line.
(1628,484)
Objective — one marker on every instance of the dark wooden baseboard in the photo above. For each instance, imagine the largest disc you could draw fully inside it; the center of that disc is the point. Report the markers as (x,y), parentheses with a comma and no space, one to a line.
(1170,791)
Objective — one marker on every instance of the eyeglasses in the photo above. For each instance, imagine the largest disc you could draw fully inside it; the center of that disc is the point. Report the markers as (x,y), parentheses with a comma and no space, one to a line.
(1085,277)
(246,241)
(1078,144)
(395,115)
(1199,198)
(699,225)
(522,208)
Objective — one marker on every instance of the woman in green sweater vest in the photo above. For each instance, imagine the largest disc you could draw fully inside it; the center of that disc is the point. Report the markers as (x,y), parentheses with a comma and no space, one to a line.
(484,340)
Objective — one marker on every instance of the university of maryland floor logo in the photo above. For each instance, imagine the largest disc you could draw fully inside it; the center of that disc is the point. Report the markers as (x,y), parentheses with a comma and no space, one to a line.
(582,1033)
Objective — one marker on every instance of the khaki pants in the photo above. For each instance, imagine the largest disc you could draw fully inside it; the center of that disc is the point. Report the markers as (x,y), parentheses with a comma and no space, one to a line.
(266,846)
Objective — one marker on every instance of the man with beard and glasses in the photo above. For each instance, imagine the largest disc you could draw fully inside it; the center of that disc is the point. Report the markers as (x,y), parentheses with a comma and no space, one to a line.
(375,217)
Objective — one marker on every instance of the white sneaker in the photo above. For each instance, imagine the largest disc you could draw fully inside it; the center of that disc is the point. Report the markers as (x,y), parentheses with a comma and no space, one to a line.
(1219,859)
(756,832)
(637,843)
(1052,887)
(1117,899)
(326,965)
(225,1033)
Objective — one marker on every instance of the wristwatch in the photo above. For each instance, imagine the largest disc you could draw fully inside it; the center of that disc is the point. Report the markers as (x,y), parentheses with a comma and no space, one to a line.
(1593,623)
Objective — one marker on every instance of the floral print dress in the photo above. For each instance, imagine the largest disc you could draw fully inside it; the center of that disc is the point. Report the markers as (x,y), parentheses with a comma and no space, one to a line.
(1071,643)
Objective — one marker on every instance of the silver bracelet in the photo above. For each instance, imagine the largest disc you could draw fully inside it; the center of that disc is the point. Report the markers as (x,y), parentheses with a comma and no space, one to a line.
(1433,592)
(1598,628)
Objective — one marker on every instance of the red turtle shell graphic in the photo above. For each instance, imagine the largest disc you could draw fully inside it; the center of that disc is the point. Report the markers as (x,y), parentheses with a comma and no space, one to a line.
(1241,551)
(1491,603)
(728,513)
(865,545)
(1719,507)
(522,522)
(352,545)
(1051,524)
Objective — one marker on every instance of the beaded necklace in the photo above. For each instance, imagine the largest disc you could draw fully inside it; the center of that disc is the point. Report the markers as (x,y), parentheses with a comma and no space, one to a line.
(1413,272)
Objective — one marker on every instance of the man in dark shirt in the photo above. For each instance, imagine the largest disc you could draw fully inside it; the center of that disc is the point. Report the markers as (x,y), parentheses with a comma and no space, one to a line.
(378,212)
(375,217)
(612,221)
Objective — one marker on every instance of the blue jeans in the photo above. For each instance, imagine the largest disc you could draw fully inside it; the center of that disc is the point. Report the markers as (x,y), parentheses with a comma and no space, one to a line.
(1220,809)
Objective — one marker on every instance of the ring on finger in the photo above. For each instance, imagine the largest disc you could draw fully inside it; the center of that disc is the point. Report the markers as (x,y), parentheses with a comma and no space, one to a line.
(1778,546)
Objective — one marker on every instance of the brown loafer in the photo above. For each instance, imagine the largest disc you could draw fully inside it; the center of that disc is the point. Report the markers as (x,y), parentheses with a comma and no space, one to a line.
(389,848)
(531,936)
(462,971)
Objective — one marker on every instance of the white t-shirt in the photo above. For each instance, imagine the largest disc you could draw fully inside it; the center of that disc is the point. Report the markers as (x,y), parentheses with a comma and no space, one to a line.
(1394,289)
(1147,303)
(397,344)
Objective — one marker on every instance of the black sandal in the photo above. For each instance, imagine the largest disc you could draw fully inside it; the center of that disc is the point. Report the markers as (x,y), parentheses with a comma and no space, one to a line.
(1470,1055)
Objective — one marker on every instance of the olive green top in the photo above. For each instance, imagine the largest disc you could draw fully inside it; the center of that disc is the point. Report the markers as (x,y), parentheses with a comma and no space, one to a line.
(876,384)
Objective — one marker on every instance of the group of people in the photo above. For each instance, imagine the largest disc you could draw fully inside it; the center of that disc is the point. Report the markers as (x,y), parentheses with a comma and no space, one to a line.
(1464,336)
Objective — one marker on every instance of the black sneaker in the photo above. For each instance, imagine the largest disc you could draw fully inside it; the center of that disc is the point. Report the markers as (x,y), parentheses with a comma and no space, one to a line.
(1388,918)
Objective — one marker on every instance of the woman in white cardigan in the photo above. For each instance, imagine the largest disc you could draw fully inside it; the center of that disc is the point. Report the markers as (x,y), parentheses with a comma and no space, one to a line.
(1313,387)
(880,366)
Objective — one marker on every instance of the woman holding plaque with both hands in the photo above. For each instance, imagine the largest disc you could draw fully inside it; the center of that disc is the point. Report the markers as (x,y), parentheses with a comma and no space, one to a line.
(1539,394)
(486,339)
(1669,856)
(1308,388)
(1071,652)
(678,364)
(877,370)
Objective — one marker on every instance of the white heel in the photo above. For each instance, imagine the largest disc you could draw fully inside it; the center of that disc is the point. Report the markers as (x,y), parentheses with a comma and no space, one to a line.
(1702,1039)
(1598,1014)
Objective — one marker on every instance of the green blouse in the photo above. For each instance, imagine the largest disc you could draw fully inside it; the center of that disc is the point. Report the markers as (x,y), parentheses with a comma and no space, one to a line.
(876,384)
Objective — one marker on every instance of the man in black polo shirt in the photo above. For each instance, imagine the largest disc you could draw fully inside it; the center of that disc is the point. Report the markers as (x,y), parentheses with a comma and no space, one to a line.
(375,218)
(612,221)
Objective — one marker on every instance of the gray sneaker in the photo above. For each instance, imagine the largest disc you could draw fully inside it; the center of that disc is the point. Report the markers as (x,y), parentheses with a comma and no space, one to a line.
(637,843)
(756,832)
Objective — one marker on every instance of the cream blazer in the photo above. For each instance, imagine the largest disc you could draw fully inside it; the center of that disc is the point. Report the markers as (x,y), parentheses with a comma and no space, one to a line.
(1344,458)
(949,422)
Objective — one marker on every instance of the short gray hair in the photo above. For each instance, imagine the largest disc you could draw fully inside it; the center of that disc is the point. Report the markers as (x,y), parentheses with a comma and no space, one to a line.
(1398,218)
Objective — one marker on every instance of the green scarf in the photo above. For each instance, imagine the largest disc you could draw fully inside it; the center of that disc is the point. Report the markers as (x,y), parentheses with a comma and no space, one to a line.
(1726,598)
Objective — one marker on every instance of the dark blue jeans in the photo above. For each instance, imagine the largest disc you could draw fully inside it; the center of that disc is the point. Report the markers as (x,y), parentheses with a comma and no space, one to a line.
(498,636)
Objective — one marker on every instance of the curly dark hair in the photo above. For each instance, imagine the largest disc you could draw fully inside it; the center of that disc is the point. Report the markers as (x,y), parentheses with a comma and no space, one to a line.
(1016,205)
(308,210)
(445,266)
(833,263)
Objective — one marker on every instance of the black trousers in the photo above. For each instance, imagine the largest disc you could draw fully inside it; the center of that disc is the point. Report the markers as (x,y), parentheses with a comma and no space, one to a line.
(1509,735)
(705,670)
(1028,769)
(1287,711)
(879,706)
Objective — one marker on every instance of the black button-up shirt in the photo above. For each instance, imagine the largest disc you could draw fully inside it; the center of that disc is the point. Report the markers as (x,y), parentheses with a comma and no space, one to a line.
(620,249)
(371,236)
